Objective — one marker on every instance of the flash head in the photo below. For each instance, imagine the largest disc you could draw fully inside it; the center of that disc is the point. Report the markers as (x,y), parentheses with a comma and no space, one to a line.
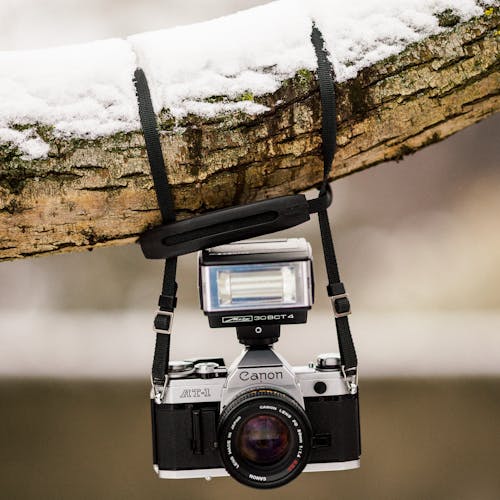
(262,282)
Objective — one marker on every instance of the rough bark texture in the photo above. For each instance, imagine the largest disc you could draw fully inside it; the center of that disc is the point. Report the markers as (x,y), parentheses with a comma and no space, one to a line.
(94,193)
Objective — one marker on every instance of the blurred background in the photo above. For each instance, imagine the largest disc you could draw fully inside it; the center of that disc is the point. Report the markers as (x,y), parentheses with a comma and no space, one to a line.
(419,248)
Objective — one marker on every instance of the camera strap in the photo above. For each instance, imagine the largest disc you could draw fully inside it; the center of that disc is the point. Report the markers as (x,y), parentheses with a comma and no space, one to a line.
(335,289)
(167,302)
(156,237)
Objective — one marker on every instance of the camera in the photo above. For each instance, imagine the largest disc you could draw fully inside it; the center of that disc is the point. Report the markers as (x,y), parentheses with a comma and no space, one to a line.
(260,420)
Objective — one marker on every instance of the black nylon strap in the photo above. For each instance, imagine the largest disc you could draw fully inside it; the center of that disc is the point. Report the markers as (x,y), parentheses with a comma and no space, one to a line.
(167,300)
(153,148)
(166,303)
(328,102)
(335,288)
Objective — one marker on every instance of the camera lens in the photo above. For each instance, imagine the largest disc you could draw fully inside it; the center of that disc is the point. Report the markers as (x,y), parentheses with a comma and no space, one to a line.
(264,438)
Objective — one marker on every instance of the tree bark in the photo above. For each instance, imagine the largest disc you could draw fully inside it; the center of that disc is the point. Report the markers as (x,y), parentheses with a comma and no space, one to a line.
(94,193)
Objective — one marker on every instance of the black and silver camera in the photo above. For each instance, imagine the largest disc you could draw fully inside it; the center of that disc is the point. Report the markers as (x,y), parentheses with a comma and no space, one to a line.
(260,420)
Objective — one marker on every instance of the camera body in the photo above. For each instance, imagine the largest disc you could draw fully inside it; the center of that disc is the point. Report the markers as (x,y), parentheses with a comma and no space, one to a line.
(260,420)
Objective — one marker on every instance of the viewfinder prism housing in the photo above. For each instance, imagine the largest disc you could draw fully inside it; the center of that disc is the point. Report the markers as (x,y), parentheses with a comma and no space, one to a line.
(265,282)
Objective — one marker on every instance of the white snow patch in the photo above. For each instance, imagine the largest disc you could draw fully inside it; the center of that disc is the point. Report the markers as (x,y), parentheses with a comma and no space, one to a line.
(27,141)
(82,91)
(87,91)
(255,50)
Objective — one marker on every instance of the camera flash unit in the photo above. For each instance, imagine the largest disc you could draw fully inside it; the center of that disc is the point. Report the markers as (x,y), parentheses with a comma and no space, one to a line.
(270,277)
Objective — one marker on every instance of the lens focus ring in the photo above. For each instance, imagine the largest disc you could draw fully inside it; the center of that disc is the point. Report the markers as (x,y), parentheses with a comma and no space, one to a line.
(264,438)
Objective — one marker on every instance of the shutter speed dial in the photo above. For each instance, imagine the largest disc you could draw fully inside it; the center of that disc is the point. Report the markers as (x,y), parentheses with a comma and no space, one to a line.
(206,370)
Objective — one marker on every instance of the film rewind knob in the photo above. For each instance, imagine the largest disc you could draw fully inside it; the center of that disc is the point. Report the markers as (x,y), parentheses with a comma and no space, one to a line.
(328,361)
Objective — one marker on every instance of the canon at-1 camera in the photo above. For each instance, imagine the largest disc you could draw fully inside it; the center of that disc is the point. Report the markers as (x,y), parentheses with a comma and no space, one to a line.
(260,420)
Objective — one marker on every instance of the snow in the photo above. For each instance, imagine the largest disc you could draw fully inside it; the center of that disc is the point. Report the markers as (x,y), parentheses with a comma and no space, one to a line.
(86,91)
(26,141)
(82,91)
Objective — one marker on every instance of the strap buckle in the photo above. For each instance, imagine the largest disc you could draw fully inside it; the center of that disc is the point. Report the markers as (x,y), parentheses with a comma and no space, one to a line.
(164,331)
(159,390)
(350,380)
(340,312)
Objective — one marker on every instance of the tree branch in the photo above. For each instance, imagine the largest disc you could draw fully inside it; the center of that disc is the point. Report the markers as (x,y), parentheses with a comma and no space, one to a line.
(94,193)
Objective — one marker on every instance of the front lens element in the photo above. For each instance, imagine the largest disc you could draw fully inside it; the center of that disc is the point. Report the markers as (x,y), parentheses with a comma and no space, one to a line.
(263,439)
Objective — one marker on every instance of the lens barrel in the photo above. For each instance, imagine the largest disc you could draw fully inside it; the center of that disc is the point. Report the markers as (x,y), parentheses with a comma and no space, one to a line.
(264,438)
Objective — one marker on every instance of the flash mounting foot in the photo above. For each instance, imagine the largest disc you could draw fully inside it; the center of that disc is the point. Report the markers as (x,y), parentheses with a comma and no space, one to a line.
(258,335)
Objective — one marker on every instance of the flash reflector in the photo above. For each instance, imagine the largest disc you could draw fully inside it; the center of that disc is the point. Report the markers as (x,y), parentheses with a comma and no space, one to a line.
(257,286)
(271,284)
(266,275)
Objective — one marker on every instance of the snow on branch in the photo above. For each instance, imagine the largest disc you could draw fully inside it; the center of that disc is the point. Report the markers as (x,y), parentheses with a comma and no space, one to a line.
(207,69)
